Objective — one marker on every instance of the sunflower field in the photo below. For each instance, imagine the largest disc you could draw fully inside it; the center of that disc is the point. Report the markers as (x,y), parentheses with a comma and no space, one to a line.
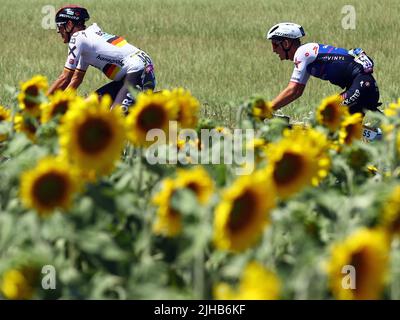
(78,194)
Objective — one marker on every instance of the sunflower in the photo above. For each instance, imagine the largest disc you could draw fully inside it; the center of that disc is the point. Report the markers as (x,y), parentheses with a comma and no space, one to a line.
(151,111)
(242,214)
(261,109)
(188,107)
(351,129)
(91,135)
(18,284)
(393,110)
(391,212)
(58,104)
(26,124)
(169,221)
(368,252)
(5,114)
(50,185)
(331,112)
(223,130)
(198,180)
(256,283)
(296,163)
(32,94)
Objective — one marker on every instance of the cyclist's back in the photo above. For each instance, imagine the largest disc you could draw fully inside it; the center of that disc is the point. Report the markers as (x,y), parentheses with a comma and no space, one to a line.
(349,69)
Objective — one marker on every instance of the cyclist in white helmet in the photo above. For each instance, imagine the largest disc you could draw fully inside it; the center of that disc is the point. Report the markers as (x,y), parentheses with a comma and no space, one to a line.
(123,63)
(349,69)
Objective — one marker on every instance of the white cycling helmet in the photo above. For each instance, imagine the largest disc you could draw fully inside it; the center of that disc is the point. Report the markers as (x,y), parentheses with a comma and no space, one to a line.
(285,30)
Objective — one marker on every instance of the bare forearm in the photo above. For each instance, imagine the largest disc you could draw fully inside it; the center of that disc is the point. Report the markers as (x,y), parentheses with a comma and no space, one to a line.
(74,84)
(60,83)
(285,97)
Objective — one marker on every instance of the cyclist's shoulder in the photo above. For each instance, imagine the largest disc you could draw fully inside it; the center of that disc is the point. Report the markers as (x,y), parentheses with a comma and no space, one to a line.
(307,52)
(84,34)
(307,47)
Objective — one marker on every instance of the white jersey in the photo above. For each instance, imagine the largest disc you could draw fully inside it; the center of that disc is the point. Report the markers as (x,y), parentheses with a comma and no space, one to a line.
(304,55)
(113,55)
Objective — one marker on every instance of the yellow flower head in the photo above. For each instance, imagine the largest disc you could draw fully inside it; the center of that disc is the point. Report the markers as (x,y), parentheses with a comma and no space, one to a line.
(256,283)
(262,109)
(393,110)
(31,95)
(296,163)
(18,284)
(92,136)
(26,124)
(391,212)
(5,114)
(351,129)
(197,180)
(240,217)
(367,251)
(188,107)
(151,111)
(58,104)
(50,185)
(169,220)
(331,112)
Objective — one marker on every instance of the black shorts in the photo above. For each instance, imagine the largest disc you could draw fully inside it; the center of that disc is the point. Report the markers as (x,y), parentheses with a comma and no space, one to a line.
(362,95)
(119,90)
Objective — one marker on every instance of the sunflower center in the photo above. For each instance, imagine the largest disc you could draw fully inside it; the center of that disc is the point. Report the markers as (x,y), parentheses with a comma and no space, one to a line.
(395,227)
(194,187)
(242,211)
(94,135)
(152,117)
(60,108)
(2,118)
(29,126)
(288,168)
(351,131)
(329,113)
(359,262)
(50,189)
(31,92)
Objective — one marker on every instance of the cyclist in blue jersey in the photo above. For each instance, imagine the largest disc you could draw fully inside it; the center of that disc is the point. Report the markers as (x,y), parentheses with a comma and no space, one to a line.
(349,69)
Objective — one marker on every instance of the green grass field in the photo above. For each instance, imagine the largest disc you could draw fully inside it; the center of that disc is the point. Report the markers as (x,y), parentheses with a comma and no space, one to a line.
(215,48)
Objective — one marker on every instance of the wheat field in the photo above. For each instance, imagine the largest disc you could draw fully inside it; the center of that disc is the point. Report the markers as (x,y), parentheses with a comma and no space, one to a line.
(214,48)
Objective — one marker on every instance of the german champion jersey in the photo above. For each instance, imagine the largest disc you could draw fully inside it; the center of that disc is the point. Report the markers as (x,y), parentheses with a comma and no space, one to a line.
(111,54)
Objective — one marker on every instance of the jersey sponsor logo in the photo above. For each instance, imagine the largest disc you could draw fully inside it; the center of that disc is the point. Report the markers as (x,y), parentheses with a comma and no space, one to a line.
(352,98)
(71,61)
(297,62)
(71,51)
(109,60)
(333,58)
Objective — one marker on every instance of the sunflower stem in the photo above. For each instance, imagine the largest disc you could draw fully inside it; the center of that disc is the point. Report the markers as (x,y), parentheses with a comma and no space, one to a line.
(199,274)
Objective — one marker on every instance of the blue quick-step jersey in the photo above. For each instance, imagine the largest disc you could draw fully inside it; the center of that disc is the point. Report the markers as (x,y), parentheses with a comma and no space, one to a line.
(336,65)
